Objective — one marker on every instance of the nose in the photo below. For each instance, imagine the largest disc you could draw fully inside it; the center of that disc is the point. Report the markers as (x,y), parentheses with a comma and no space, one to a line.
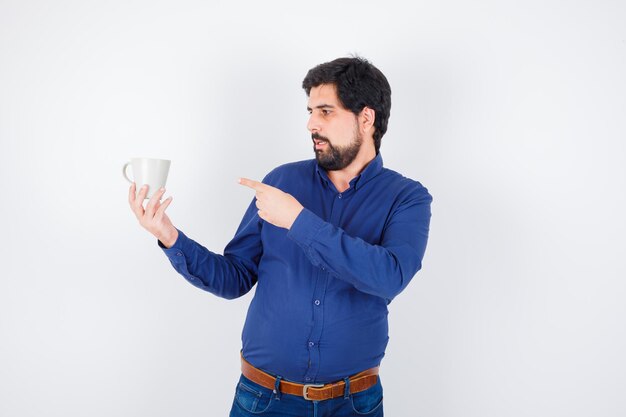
(313,123)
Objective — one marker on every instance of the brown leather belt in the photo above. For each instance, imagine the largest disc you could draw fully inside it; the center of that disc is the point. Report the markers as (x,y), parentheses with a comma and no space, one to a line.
(314,392)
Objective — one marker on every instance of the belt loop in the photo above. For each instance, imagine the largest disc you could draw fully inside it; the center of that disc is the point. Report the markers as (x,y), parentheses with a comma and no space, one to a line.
(277,388)
(346,393)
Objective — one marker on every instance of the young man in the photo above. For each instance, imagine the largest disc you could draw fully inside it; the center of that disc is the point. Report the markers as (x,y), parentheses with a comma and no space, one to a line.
(329,243)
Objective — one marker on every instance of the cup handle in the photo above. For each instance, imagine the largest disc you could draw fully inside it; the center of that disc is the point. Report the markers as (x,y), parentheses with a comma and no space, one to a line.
(124,172)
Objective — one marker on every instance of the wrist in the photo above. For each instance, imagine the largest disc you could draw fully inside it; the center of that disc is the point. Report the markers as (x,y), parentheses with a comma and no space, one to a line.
(170,238)
(297,213)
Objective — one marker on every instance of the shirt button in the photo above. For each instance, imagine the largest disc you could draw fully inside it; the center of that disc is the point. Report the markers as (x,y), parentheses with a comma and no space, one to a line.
(311,344)
(307,378)
(317,302)
(179,254)
(339,196)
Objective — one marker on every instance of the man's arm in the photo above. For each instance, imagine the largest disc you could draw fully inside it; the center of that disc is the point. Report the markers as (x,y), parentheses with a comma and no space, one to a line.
(230,275)
(382,270)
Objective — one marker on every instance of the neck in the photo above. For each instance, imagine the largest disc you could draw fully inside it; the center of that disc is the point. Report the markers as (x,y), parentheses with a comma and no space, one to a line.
(341,178)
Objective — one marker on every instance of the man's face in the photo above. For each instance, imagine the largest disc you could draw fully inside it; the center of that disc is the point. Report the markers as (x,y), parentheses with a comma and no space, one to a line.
(334,129)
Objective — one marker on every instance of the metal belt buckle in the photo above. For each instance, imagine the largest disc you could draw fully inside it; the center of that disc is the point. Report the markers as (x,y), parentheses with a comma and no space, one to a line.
(305,390)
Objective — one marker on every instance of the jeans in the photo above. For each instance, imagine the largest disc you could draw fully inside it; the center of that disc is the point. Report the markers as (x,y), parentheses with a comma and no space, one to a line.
(252,399)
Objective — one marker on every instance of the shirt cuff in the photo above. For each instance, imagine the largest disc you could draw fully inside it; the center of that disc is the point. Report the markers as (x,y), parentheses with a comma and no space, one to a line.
(306,226)
(178,248)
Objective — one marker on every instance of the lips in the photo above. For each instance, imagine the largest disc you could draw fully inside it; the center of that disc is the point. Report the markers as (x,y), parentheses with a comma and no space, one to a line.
(319,142)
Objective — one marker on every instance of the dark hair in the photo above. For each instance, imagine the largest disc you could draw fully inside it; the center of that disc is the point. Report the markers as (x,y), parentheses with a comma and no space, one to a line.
(359,84)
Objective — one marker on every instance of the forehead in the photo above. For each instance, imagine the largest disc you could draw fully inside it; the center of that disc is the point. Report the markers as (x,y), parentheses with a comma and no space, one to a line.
(324,94)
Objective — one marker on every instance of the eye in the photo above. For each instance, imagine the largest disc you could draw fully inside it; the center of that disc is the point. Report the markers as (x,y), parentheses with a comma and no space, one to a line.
(325,112)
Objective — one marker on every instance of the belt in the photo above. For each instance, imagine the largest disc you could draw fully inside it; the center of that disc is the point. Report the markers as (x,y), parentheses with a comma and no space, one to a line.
(314,392)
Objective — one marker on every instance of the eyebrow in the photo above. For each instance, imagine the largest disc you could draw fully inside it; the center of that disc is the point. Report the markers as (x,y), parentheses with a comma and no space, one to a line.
(321,106)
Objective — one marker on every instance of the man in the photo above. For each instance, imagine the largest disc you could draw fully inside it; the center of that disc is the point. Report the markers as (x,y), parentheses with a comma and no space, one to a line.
(329,243)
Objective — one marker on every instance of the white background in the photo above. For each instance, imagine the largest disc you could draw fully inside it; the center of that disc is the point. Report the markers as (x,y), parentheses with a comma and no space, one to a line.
(512,114)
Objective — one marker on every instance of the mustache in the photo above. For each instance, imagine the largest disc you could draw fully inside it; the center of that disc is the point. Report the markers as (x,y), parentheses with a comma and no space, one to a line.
(320,137)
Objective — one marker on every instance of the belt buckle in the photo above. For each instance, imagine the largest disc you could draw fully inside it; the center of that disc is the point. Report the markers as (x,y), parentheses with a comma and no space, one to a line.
(305,390)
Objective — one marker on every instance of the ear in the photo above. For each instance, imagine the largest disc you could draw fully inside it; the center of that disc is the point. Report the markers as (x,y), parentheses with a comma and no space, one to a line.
(366,120)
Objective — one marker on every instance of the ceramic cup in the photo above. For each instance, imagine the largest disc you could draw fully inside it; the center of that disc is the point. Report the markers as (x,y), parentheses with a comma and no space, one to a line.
(150,171)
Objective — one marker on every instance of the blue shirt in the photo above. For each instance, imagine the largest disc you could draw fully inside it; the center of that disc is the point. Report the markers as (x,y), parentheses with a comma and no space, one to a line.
(319,313)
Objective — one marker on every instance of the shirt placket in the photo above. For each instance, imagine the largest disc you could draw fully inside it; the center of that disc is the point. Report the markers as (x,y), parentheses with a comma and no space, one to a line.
(313,344)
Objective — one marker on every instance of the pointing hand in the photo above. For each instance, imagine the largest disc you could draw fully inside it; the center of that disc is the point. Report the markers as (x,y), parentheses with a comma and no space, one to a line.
(275,206)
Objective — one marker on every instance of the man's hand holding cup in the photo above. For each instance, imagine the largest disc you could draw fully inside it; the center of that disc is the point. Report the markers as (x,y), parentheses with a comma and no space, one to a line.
(153,217)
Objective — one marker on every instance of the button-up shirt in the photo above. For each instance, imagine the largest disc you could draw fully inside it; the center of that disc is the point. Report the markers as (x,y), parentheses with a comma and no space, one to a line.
(319,313)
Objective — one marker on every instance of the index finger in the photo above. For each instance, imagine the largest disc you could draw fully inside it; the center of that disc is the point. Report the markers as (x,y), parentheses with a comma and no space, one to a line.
(135,201)
(255,185)
(131,194)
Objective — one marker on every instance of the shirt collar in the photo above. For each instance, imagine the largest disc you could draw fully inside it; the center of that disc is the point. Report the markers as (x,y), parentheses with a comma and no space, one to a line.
(370,171)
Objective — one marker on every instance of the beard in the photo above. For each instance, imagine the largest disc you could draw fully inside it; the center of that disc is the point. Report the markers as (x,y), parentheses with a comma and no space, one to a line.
(335,158)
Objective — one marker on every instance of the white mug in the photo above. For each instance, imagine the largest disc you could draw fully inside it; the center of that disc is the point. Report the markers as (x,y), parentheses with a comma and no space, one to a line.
(148,171)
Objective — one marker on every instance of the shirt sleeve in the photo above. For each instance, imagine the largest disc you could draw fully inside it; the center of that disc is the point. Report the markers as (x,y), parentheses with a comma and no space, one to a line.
(228,276)
(384,269)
